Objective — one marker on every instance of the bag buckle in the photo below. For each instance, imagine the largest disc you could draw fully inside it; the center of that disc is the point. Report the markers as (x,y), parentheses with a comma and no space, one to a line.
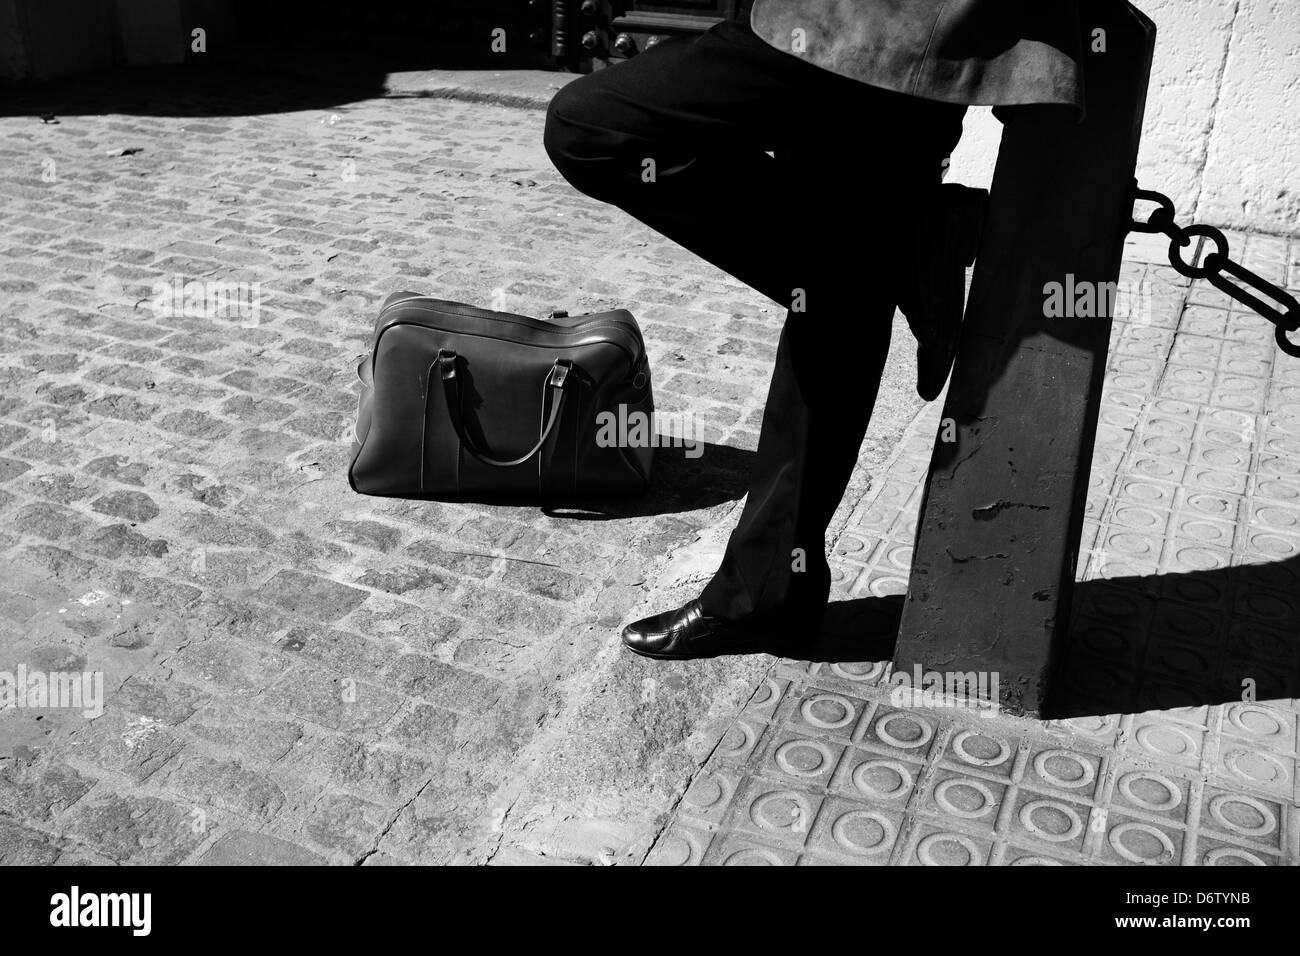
(447,364)
(559,373)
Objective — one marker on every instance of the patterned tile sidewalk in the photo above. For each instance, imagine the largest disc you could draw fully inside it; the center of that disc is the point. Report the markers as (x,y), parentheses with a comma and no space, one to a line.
(1178,743)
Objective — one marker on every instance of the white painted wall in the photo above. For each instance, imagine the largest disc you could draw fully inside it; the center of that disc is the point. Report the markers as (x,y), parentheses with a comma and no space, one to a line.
(1222,130)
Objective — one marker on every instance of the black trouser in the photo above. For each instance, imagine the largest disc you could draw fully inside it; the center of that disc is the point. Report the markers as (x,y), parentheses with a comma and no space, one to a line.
(822,230)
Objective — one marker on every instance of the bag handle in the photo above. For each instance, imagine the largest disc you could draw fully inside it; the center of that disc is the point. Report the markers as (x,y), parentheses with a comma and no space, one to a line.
(555,379)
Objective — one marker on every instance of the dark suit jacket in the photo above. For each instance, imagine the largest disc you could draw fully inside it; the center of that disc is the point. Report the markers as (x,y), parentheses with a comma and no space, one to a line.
(976,52)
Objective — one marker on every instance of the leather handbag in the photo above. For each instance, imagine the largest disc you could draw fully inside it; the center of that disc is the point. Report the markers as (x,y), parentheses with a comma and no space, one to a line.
(459,402)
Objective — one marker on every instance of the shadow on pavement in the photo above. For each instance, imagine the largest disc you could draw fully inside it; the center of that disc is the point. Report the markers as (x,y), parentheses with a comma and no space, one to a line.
(229,90)
(1147,642)
(679,484)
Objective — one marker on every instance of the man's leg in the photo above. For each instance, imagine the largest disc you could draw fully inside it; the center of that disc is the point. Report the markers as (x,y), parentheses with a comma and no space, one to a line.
(824,228)
(774,578)
(705,111)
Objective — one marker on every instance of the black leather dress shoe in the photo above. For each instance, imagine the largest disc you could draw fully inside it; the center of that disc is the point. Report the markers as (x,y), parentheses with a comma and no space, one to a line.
(688,632)
(933,298)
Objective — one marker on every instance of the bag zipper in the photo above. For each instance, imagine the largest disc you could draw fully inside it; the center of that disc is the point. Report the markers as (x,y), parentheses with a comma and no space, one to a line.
(541,325)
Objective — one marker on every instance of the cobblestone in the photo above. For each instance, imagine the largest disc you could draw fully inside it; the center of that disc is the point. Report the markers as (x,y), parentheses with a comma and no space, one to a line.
(295,674)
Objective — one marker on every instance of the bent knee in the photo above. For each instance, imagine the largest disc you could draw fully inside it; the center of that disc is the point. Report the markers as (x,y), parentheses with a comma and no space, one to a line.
(570,125)
(582,136)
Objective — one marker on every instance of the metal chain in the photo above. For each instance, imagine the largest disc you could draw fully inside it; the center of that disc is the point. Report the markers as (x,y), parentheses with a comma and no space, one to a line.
(1216,264)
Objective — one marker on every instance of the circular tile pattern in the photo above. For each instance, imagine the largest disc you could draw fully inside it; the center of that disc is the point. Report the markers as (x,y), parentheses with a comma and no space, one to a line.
(736,741)
(1274,545)
(804,758)
(1194,590)
(1103,641)
(1231,856)
(1092,725)
(828,711)
(1188,623)
(948,849)
(1212,505)
(1242,814)
(979,749)
(850,545)
(706,792)
(1167,406)
(887,586)
(1279,466)
(1064,769)
(1222,457)
(1150,791)
(1220,480)
(1141,843)
(1255,721)
(1051,820)
(1279,519)
(884,779)
(1186,660)
(1130,544)
(767,692)
(1265,643)
(1135,383)
(1264,606)
(900,556)
(1161,445)
(1135,517)
(1146,492)
(753,856)
(1207,532)
(904,731)
(863,831)
(867,672)
(1271,575)
(674,851)
(1166,696)
(1166,739)
(1257,767)
(965,798)
(1158,468)
(781,810)
(1116,603)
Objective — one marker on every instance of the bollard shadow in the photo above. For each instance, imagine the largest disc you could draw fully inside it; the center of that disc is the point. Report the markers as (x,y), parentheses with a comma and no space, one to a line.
(1135,643)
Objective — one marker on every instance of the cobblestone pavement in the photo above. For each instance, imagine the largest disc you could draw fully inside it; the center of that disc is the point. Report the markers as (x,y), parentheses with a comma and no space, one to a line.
(293,673)
(1192,580)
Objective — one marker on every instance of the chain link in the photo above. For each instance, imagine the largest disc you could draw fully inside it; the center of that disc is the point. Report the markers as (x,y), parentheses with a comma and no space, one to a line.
(1218,265)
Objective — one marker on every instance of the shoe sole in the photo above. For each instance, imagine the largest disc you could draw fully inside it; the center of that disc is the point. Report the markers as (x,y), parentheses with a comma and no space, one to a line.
(747,646)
